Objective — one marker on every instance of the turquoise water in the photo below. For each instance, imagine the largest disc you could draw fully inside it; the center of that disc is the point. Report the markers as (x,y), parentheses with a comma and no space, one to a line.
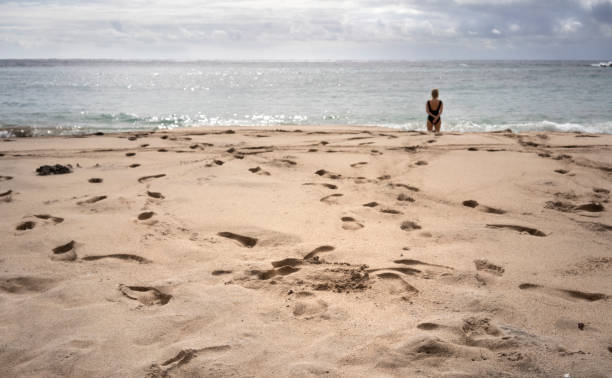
(62,97)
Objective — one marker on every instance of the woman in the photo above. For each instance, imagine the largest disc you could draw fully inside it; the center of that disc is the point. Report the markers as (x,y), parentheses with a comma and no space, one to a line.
(434,109)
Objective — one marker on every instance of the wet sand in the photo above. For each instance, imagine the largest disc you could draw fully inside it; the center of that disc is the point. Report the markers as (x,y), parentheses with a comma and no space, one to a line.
(312,251)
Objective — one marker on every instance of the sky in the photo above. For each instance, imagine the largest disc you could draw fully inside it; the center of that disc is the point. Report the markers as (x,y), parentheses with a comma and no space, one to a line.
(307,29)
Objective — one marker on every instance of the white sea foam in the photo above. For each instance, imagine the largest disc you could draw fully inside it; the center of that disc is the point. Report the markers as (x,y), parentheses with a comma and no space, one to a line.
(467,126)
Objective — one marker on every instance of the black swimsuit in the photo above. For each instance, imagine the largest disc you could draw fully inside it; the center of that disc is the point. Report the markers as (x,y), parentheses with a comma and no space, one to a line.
(434,112)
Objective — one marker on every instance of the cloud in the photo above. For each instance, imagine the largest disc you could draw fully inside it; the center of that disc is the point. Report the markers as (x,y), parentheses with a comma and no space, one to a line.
(365,29)
(570,25)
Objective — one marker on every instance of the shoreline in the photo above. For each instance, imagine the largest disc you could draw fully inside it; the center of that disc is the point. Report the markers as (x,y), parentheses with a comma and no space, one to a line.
(28,131)
(307,250)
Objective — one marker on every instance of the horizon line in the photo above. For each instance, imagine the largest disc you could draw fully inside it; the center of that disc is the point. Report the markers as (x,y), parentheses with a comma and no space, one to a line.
(300,60)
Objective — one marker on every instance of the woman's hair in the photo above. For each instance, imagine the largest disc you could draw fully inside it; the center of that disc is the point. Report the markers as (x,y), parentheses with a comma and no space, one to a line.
(434,93)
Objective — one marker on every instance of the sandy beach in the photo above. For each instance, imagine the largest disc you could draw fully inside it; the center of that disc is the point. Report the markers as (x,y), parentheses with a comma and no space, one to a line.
(311,251)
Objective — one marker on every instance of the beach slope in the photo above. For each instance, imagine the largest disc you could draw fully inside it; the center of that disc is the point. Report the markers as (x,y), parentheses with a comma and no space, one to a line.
(314,251)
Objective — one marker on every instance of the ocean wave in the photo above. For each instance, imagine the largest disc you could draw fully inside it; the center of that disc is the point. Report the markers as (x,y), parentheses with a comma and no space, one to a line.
(544,125)
(602,64)
(118,122)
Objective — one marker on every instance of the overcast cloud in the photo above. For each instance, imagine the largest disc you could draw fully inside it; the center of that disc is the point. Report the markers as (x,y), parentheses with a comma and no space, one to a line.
(307,29)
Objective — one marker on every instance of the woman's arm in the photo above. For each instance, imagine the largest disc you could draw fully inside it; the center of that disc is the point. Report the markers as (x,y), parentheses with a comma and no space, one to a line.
(439,112)
(427,109)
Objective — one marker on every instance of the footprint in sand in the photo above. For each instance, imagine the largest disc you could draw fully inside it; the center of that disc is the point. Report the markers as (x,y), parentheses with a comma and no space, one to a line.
(181,358)
(49,217)
(398,285)
(561,171)
(6,178)
(27,225)
(267,274)
(313,254)
(259,171)
(95,180)
(6,196)
(324,173)
(492,210)
(595,226)
(566,207)
(562,206)
(564,293)
(470,203)
(359,164)
(64,252)
(119,256)
(426,326)
(289,261)
(245,241)
(409,187)
(421,162)
(155,195)
(486,209)
(329,198)
(146,178)
(310,308)
(390,211)
(405,198)
(362,180)
(486,266)
(409,226)
(401,269)
(92,200)
(145,215)
(148,296)
(593,207)
(411,262)
(285,162)
(24,284)
(135,165)
(521,229)
(349,223)
(130,154)
(220,272)
(328,186)
(370,204)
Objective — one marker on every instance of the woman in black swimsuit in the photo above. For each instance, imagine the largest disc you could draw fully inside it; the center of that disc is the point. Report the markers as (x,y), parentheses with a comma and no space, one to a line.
(433,119)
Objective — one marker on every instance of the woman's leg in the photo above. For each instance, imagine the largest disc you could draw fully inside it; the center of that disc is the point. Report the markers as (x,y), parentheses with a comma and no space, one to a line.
(429,126)
(438,125)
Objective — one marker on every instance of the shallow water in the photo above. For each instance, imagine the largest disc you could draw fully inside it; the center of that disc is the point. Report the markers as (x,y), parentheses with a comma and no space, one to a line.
(75,96)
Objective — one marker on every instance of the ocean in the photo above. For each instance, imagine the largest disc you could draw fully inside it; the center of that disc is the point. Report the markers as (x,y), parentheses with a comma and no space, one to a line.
(51,97)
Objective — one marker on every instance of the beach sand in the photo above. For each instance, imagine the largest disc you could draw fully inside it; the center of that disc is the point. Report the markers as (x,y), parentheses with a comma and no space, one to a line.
(312,251)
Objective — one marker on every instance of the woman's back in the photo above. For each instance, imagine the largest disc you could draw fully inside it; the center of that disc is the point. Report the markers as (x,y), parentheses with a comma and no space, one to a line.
(434,105)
